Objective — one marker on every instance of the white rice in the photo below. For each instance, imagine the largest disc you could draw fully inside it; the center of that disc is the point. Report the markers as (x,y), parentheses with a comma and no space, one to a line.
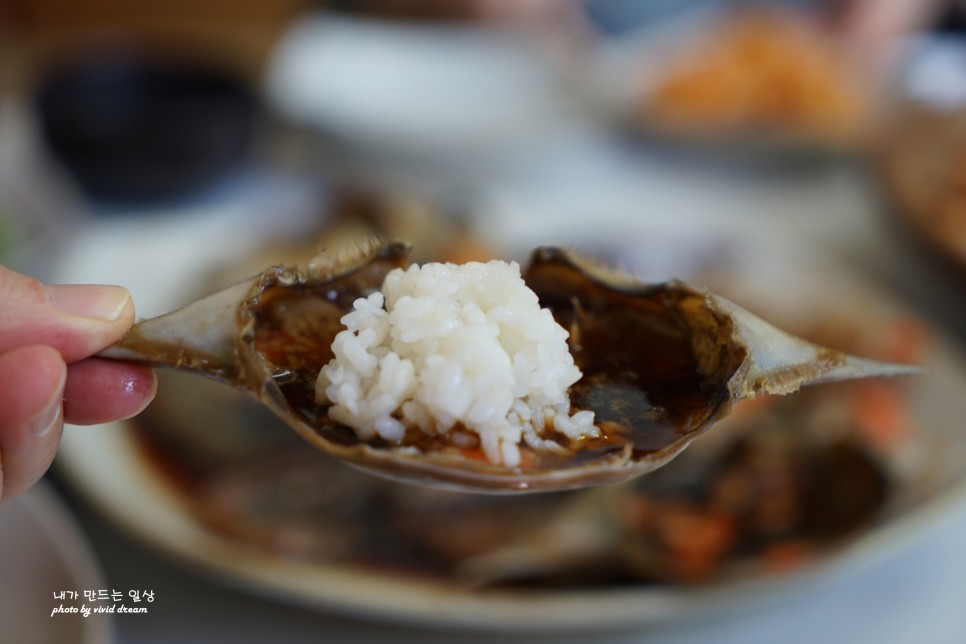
(445,345)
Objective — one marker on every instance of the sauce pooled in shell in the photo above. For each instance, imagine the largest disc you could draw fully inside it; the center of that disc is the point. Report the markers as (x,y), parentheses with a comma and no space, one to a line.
(657,362)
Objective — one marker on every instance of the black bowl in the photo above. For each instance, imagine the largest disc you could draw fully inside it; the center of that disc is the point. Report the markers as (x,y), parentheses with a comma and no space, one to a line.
(134,129)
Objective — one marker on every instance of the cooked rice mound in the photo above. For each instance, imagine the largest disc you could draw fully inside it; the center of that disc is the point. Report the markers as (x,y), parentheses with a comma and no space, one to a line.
(448,346)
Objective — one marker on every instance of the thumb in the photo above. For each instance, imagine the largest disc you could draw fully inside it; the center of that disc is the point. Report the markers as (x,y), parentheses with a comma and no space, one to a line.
(77,320)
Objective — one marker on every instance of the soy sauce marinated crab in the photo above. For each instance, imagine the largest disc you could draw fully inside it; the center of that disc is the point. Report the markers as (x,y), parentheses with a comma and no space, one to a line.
(659,365)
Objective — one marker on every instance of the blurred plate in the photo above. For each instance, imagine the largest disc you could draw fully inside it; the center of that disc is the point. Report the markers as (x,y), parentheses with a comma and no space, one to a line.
(922,158)
(42,552)
(743,84)
(109,470)
(933,72)
(416,88)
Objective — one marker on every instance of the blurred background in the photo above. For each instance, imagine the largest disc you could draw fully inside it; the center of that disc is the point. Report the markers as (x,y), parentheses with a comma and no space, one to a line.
(807,159)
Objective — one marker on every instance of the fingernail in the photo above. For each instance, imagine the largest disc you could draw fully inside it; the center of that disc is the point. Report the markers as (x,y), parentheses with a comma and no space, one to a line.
(49,417)
(105,303)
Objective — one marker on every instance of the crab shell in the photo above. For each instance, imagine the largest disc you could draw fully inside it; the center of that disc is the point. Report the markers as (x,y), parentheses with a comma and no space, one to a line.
(661,364)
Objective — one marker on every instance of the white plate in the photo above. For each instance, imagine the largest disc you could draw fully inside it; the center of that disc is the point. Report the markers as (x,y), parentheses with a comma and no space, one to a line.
(418,89)
(105,466)
(42,552)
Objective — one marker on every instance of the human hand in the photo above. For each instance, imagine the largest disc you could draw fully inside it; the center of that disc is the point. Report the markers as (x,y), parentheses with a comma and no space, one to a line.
(871,28)
(47,375)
